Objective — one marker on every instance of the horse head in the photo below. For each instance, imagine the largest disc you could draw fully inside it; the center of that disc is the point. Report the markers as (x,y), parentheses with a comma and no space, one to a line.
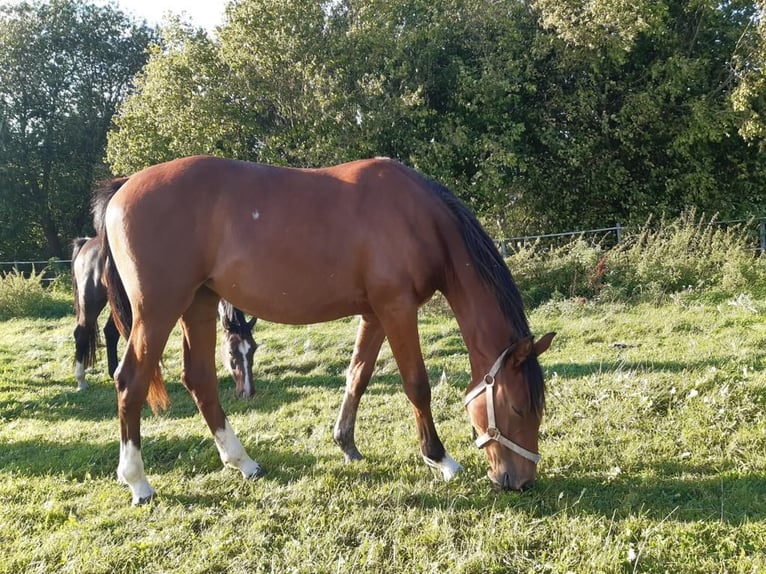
(238,347)
(507,416)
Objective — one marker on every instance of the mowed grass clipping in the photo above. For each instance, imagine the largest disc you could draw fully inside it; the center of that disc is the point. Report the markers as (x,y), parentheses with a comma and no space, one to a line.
(654,450)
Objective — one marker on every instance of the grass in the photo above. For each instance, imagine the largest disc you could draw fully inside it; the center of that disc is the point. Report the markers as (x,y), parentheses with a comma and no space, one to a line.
(654,451)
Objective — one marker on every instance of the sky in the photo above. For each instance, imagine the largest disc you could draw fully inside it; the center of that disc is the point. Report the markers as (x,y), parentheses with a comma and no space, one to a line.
(205,13)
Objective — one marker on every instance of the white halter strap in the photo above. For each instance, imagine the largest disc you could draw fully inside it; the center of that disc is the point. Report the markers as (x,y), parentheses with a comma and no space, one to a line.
(492,432)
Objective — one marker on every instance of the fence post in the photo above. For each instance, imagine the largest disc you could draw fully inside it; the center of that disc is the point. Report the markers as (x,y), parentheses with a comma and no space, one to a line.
(762,233)
(618,229)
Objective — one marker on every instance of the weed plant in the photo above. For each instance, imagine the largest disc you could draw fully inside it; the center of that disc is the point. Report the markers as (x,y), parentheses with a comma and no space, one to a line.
(26,296)
(688,255)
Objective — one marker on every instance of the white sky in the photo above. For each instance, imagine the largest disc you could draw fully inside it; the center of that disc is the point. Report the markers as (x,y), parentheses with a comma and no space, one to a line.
(205,13)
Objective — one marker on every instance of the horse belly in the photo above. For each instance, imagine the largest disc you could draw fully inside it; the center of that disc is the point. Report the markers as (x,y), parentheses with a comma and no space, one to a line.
(294,292)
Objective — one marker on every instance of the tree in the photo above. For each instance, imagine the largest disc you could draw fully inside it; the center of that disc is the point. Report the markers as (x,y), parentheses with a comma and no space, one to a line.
(64,67)
(543,115)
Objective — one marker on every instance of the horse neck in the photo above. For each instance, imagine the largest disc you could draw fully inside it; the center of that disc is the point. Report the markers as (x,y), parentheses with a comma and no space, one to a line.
(485,328)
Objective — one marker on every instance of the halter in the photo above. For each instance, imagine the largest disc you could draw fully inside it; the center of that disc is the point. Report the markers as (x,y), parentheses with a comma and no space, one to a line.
(492,432)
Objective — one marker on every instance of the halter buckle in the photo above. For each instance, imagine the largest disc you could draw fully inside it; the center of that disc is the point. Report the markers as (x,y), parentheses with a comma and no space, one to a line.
(489,380)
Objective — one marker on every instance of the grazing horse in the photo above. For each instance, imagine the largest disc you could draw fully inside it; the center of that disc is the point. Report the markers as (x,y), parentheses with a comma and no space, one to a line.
(297,246)
(90,298)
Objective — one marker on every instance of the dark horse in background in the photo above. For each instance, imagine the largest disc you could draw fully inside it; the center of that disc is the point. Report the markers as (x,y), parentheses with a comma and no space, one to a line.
(90,298)
(370,238)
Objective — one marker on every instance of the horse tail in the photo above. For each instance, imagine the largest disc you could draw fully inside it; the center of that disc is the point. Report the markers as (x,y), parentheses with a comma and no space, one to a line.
(76,246)
(118,298)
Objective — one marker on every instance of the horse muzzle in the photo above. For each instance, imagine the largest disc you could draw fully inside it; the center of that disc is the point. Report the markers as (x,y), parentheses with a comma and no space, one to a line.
(507,482)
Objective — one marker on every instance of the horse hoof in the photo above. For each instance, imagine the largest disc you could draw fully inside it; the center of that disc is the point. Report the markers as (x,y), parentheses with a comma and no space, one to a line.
(352,456)
(81,386)
(142,500)
(256,474)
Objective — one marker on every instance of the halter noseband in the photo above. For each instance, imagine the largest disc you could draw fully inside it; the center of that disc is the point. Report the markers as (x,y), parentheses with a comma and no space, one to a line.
(492,432)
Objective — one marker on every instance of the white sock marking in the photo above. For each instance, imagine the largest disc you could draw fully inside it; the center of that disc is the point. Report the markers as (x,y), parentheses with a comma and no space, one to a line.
(448,467)
(233,453)
(79,374)
(131,471)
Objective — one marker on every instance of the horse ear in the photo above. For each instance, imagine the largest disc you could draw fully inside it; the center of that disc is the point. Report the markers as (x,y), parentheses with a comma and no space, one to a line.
(521,351)
(251,323)
(543,343)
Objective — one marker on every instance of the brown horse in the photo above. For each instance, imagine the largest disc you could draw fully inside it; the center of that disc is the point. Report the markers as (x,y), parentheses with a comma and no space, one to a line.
(90,298)
(372,238)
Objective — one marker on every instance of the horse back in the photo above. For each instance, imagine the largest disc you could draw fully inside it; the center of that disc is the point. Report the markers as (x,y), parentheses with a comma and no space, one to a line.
(284,244)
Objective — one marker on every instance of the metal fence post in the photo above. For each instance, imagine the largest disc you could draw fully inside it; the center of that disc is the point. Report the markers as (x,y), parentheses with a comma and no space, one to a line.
(618,229)
(762,233)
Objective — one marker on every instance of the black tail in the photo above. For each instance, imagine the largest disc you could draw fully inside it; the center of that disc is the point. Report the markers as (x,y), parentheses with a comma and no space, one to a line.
(85,336)
(86,344)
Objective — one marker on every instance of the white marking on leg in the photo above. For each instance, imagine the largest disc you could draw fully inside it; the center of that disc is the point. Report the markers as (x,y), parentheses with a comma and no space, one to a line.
(233,453)
(131,472)
(447,465)
(79,374)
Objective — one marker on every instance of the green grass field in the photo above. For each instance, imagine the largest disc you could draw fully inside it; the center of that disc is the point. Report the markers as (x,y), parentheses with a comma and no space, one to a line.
(654,449)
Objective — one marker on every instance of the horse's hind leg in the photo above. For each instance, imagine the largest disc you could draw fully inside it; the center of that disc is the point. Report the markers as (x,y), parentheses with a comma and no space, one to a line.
(139,369)
(401,327)
(84,339)
(199,336)
(112,337)
(369,338)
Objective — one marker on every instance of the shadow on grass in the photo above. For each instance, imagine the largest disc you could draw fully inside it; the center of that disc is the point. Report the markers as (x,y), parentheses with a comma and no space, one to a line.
(59,400)
(676,495)
(192,456)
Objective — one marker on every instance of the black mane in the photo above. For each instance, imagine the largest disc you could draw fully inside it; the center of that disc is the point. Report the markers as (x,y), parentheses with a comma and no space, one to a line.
(494,272)
(233,320)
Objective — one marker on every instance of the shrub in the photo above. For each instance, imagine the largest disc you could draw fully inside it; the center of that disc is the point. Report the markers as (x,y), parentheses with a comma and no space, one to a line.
(570,270)
(685,255)
(22,296)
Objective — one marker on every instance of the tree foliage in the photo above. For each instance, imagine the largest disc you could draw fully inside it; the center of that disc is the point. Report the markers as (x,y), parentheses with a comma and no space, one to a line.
(543,115)
(64,67)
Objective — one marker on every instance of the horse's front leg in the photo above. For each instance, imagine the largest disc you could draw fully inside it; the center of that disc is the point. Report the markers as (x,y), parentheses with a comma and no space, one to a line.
(199,335)
(402,331)
(369,338)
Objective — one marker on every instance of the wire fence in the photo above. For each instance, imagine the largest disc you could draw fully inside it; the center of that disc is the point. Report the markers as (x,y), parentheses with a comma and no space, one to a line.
(54,268)
(615,234)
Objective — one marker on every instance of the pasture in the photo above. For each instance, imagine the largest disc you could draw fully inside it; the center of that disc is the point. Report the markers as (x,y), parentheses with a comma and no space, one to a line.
(654,456)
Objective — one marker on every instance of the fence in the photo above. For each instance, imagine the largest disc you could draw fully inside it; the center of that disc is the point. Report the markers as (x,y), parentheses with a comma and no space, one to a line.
(55,267)
(513,243)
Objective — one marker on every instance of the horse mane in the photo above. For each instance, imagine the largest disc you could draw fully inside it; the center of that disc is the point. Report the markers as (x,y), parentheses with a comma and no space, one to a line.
(495,273)
(233,320)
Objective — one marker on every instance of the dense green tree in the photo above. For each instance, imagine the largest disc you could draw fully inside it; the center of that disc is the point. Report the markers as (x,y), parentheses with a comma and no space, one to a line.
(64,67)
(648,129)
(543,115)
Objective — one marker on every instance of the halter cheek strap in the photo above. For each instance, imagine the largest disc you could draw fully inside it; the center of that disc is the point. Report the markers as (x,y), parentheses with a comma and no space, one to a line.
(492,432)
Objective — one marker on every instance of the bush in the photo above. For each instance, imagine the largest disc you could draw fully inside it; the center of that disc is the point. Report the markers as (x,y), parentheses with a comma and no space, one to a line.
(22,296)
(685,255)
(570,270)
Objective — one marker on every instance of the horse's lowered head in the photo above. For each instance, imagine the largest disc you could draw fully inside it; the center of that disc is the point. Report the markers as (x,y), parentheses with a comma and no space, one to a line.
(238,347)
(506,409)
